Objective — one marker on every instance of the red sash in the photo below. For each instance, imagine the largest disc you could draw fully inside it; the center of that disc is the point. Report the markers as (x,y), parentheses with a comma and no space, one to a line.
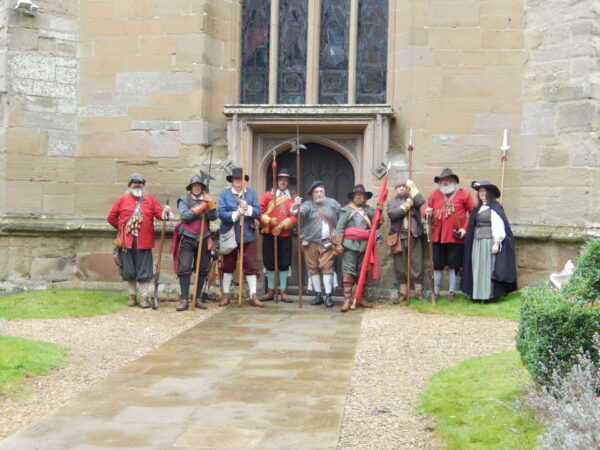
(359,234)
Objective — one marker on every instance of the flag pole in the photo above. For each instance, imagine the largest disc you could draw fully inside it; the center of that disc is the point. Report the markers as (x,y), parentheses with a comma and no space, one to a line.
(409,222)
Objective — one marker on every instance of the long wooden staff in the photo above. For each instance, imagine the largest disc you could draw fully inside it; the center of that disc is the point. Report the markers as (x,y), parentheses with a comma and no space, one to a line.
(298,192)
(274,214)
(432,297)
(158,264)
(241,253)
(201,239)
(505,147)
(409,223)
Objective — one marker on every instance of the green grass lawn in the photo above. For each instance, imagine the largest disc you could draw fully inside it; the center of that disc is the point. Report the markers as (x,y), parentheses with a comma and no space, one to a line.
(20,358)
(463,400)
(507,307)
(53,304)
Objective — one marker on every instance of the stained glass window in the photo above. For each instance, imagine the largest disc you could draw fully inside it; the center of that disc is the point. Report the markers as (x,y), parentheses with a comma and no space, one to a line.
(291,84)
(371,64)
(333,51)
(255,52)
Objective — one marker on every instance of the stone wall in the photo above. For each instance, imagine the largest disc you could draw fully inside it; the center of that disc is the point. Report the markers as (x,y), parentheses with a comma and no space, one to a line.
(93,90)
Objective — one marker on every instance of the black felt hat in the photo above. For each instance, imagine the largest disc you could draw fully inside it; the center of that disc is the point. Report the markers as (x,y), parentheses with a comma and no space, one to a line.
(283,172)
(315,184)
(446,173)
(491,188)
(236,173)
(359,189)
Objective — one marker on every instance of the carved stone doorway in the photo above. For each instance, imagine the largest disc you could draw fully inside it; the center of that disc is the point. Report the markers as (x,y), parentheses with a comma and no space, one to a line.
(318,162)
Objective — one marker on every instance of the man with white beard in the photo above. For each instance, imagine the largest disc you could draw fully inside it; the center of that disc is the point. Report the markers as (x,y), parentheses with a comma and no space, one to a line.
(448,208)
(133,215)
(319,219)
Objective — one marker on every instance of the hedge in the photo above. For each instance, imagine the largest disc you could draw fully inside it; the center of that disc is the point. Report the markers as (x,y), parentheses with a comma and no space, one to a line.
(556,325)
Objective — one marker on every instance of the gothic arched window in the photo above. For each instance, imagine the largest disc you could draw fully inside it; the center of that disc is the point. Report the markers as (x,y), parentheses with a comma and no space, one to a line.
(315,51)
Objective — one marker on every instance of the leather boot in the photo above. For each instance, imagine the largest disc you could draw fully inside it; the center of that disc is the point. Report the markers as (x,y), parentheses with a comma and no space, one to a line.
(225,300)
(329,300)
(401,294)
(254,301)
(348,283)
(285,298)
(184,305)
(200,304)
(270,296)
(318,299)
(363,303)
(451,296)
(145,303)
(132,300)
(419,291)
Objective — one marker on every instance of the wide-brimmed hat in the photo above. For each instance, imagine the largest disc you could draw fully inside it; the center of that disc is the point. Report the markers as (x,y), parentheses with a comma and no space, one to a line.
(491,188)
(236,173)
(315,184)
(135,177)
(359,189)
(446,173)
(196,179)
(283,172)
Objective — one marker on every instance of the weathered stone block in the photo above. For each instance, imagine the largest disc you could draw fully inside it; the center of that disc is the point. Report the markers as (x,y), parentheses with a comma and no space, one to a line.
(61,143)
(538,119)
(585,151)
(503,39)
(59,204)
(52,269)
(184,25)
(50,121)
(23,197)
(117,45)
(104,124)
(95,170)
(158,44)
(23,40)
(148,125)
(95,200)
(567,91)
(25,141)
(145,27)
(577,116)
(102,111)
(97,267)
(137,82)
(495,122)
(132,143)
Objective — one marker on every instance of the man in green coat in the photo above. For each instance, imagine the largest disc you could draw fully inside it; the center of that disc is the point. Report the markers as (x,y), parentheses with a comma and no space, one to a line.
(353,228)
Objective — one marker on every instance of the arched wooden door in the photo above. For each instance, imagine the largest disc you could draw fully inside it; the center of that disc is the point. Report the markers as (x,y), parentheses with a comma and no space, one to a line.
(318,162)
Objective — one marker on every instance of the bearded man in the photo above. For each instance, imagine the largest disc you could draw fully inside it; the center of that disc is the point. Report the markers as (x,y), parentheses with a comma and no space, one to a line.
(231,207)
(353,229)
(319,218)
(448,208)
(133,215)
(278,221)
(196,209)
(402,208)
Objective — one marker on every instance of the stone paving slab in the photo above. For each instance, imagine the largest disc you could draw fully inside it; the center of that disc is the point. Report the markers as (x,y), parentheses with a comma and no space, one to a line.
(245,378)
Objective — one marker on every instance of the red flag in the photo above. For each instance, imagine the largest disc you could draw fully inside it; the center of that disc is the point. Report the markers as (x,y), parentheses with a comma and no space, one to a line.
(370,260)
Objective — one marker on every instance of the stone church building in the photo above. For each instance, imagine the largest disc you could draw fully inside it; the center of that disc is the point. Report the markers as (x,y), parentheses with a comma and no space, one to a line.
(93,90)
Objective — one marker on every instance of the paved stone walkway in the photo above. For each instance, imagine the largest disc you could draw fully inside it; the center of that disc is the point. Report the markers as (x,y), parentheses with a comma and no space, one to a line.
(243,379)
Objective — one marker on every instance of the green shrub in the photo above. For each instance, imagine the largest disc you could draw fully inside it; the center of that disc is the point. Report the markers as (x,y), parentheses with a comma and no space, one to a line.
(552,331)
(584,284)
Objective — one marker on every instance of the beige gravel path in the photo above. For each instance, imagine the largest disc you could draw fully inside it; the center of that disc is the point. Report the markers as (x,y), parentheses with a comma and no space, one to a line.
(398,350)
(98,346)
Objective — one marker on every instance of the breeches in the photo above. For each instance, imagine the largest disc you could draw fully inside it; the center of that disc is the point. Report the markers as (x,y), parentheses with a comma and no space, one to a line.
(284,252)
(230,261)
(188,251)
(317,259)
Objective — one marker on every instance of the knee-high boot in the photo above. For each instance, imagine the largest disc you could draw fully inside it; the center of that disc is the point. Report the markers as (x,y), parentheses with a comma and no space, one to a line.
(348,281)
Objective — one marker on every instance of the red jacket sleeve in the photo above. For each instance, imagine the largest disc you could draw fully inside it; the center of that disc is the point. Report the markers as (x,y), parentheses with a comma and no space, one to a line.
(113,215)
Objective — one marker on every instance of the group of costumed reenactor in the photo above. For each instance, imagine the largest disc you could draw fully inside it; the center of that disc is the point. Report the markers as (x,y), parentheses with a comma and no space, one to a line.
(474,242)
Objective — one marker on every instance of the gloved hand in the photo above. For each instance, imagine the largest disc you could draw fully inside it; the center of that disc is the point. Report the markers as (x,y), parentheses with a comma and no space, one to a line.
(412,187)
(408,203)
(428,211)
(209,200)
(273,221)
(197,210)
(166,213)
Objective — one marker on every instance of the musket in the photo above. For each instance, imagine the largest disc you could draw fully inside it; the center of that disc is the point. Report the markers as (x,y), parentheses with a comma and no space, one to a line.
(201,236)
(274,213)
(158,264)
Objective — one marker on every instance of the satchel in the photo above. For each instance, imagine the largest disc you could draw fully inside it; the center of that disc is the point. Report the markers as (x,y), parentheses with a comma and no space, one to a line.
(117,256)
(118,240)
(395,243)
(227,242)
(336,240)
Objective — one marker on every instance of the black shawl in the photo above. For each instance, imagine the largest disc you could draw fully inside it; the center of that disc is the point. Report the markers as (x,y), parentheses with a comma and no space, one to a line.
(504,276)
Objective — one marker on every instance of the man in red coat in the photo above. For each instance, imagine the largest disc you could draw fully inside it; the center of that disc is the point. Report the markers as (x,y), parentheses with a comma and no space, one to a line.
(133,215)
(277,221)
(448,207)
